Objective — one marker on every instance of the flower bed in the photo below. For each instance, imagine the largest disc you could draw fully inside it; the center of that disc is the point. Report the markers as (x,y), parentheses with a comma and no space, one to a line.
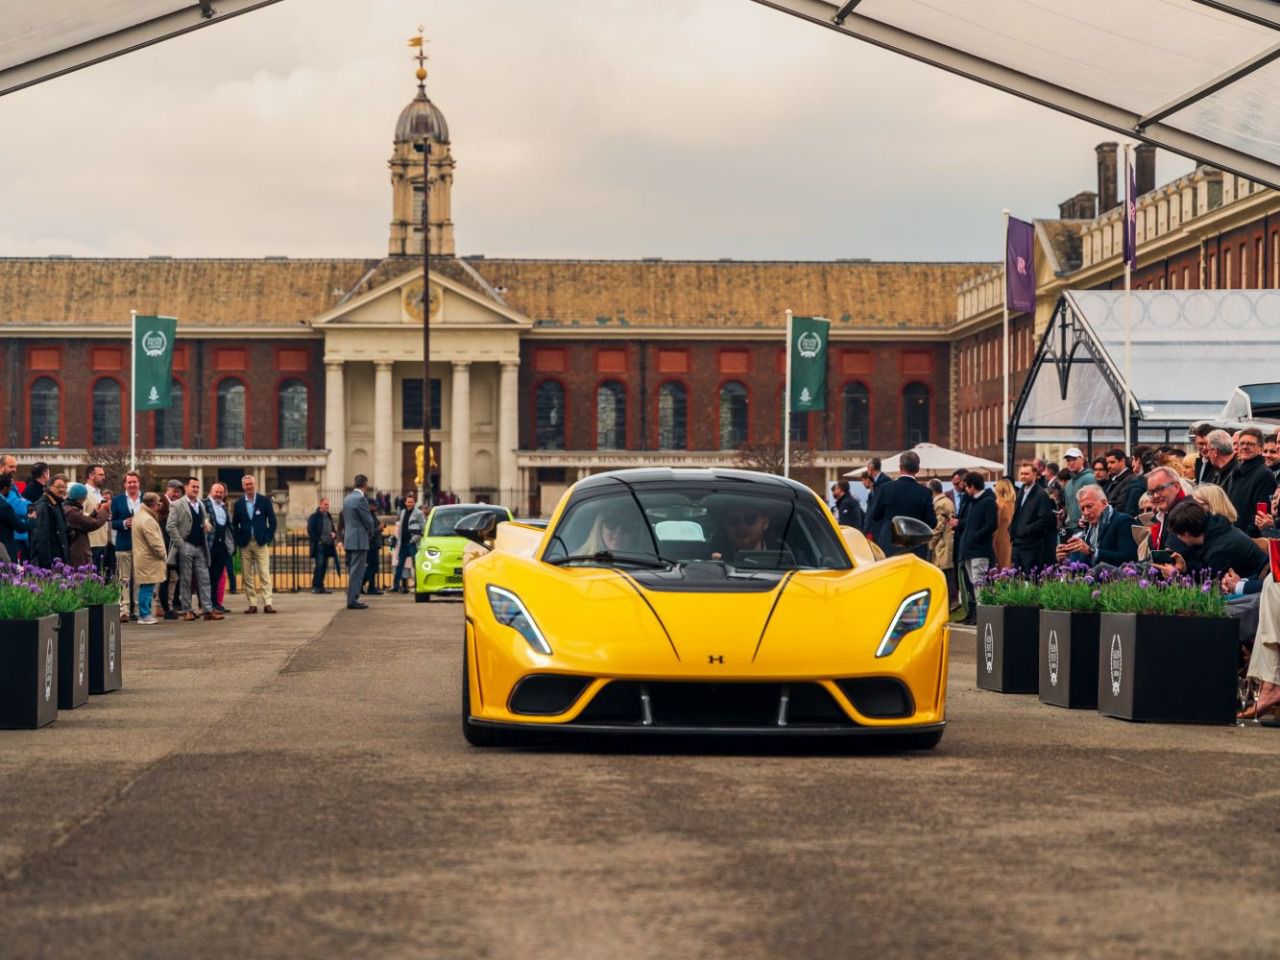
(29,593)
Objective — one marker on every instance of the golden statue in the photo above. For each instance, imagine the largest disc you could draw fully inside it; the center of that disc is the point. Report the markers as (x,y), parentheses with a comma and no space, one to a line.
(421,478)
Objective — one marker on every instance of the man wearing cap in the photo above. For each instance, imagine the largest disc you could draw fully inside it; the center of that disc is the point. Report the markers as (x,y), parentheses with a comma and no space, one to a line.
(1081,477)
(82,524)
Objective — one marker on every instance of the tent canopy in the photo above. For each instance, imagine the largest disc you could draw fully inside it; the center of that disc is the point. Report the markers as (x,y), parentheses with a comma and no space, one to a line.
(46,38)
(935,461)
(1190,350)
(1194,76)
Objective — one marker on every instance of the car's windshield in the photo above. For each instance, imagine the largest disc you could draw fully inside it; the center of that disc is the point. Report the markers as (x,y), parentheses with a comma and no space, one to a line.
(444,519)
(750,527)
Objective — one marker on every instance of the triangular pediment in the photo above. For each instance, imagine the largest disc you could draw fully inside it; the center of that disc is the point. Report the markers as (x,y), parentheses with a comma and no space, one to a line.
(397,303)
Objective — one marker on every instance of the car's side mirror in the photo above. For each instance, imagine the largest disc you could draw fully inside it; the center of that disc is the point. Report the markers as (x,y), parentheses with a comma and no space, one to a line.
(477,527)
(910,532)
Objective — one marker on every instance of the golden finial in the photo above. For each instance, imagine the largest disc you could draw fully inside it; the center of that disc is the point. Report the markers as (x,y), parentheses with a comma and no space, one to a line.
(421,56)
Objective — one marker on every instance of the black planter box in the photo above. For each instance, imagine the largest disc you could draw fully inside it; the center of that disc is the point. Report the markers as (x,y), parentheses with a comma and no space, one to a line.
(1008,649)
(28,672)
(1168,669)
(104,648)
(1069,659)
(73,659)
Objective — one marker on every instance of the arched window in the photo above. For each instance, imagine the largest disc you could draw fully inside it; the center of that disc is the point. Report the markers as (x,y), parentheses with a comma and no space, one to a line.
(169,421)
(45,428)
(799,420)
(857,417)
(733,415)
(293,414)
(611,416)
(230,414)
(673,417)
(106,412)
(915,414)
(548,412)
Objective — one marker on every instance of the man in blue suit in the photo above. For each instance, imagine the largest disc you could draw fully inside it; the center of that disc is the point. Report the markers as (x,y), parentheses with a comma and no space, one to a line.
(1107,536)
(123,507)
(904,497)
(253,524)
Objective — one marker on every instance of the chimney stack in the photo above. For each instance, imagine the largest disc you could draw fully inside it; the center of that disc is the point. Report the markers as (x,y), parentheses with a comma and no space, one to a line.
(1107,176)
(1144,168)
(1083,206)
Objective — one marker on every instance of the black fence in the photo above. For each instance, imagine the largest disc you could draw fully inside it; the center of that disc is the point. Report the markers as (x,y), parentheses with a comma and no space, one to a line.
(292,566)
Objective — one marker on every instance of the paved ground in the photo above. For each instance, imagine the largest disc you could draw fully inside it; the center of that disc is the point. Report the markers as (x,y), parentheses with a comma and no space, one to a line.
(299,788)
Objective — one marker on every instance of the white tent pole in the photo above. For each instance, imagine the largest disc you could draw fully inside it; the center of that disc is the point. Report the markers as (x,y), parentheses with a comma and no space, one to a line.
(133,389)
(1128,299)
(786,408)
(1004,294)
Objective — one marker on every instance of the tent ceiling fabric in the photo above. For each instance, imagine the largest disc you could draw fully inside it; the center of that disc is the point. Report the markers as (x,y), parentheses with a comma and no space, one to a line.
(43,39)
(1190,349)
(1194,76)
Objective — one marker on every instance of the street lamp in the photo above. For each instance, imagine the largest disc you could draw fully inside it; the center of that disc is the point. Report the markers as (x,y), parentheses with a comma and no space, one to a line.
(424,147)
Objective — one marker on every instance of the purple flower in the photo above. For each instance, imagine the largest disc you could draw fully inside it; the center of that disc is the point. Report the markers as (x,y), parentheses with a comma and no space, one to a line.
(1096,594)
(1144,584)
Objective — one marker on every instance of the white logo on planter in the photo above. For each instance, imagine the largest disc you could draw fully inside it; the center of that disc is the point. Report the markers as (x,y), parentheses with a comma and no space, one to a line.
(1117,665)
(111,648)
(989,648)
(48,671)
(1053,658)
(82,649)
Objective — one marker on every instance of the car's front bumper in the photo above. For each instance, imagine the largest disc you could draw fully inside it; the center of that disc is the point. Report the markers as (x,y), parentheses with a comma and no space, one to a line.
(699,730)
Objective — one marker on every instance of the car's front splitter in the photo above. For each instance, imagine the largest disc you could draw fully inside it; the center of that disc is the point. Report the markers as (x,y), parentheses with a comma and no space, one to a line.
(684,730)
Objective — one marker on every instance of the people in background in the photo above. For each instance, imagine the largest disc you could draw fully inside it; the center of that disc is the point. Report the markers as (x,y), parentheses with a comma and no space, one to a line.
(1034,526)
(253,525)
(1221,452)
(99,538)
(38,482)
(148,554)
(410,524)
(49,533)
(124,506)
(847,508)
(975,534)
(903,497)
(1251,483)
(1079,476)
(358,525)
(1210,544)
(1106,536)
(222,545)
(322,535)
(1006,501)
(12,522)
(942,546)
(190,529)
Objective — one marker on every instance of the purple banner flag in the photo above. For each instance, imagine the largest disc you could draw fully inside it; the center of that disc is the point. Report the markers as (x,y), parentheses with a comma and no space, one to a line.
(1020,273)
(1130,214)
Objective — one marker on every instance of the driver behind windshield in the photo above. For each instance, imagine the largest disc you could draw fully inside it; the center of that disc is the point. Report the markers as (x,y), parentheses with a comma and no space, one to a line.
(615,530)
(743,527)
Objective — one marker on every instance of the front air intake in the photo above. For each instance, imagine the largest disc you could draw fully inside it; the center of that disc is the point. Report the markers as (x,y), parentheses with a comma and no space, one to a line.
(546,695)
(880,697)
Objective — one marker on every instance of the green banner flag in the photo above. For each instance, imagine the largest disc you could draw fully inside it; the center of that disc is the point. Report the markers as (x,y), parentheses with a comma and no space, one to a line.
(153,361)
(809,363)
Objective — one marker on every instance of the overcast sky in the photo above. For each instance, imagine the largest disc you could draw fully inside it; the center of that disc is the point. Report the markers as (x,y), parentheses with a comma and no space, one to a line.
(581,128)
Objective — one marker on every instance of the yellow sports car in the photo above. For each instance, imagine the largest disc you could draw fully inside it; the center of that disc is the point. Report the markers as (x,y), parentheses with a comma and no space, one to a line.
(703,602)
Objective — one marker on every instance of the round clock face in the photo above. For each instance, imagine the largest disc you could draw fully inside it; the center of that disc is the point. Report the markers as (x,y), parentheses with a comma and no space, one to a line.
(413,300)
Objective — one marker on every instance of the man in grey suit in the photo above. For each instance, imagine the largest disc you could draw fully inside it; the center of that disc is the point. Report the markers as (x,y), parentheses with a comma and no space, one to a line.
(357,531)
(189,528)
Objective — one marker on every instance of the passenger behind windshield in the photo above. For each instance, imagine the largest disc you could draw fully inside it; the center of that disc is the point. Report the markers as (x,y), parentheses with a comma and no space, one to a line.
(618,528)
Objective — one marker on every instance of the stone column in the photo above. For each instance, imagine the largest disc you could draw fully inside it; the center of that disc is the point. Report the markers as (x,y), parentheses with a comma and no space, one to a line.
(460,431)
(335,426)
(384,477)
(508,433)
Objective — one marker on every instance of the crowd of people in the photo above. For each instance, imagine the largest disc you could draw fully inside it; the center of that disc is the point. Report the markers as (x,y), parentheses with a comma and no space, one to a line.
(1209,511)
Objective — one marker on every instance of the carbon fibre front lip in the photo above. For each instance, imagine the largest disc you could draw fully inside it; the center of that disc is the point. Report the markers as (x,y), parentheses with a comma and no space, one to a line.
(635,729)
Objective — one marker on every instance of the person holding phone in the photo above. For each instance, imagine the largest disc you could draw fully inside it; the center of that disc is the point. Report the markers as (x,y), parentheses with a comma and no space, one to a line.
(1107,535)
(1210,543)
(1251,483)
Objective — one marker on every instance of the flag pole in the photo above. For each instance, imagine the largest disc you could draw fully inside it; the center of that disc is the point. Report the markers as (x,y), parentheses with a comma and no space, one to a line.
(133,389)
(786,408)
(1004,410)
(1130,255)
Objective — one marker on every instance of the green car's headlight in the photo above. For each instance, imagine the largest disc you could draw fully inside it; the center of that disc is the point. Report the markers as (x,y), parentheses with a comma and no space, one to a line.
(911,615)
(433,552)
(509,611)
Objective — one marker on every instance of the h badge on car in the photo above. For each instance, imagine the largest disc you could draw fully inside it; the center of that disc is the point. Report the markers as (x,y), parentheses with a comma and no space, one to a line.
(713,658)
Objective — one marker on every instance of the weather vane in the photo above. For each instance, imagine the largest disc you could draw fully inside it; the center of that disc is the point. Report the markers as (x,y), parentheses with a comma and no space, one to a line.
(421,56)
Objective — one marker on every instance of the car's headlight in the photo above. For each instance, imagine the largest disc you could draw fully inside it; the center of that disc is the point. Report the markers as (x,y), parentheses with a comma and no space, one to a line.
(509,611)
(911,615)
(433,553)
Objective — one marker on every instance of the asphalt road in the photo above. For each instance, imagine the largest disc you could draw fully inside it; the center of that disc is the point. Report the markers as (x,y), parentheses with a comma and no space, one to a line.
(299,787)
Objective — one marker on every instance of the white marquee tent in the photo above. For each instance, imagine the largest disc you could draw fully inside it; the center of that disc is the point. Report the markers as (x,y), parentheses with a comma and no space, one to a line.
(40,39)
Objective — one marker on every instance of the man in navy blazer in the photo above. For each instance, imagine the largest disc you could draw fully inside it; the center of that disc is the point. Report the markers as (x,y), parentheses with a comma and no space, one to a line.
(123,507)
(253,524)
(1107,536)
(904,497)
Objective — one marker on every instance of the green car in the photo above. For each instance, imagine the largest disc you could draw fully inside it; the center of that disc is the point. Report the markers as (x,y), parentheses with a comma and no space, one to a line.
(437,566)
